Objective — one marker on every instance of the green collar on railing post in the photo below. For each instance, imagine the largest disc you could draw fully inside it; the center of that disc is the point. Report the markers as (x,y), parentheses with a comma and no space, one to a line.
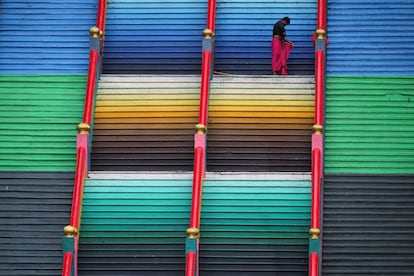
(68,244)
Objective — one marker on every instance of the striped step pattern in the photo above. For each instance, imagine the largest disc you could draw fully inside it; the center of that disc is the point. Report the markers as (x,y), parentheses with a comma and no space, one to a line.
(259,123)
(154,37)
(248,225)
(364,51)
(39,115)
(34,208)
(42,37)
(146,122)
(368,224)
(379,111)
(165,37)
(243,35)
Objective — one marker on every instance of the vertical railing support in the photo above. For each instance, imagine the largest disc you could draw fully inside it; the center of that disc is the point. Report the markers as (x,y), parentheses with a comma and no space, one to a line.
(209,33)
(193,232)
(208,52)
(83,144)
(318,141)
(199,169)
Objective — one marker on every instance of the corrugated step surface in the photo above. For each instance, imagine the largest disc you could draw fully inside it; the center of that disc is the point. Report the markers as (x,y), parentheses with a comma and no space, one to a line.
(252,227)
(145,122)
(244,34)
(137,227)
(42,37)
(372,48)
(370,121)
(260,123)
(39,115)
(154,37)
(368,225)
(34,208)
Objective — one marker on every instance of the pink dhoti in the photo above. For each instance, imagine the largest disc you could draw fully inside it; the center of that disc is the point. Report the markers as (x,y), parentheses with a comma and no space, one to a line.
(280,54)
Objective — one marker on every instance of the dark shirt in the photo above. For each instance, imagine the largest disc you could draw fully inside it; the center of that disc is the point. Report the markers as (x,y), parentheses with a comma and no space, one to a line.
(279,29)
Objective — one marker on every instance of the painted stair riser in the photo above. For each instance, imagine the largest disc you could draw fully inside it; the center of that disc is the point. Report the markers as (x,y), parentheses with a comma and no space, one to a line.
(255,123)
(144,222)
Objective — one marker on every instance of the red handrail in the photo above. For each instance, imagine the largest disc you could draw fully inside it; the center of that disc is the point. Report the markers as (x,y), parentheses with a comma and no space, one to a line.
(205,85)
(200,146)
(321,24)
(100,19)
(316,188)
(190,264)
(319,86)
(67,264)
(197,187)
(70,241)
(78,187)
(90,86)
(314,269)
(211,17)
(320,43)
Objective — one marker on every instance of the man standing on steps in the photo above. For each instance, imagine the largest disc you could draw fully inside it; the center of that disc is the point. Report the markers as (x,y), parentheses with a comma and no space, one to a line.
(281,47)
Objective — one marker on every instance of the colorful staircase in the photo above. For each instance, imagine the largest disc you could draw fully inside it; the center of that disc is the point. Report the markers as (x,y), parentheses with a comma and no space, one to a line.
(136,226)
(145,122)
(369,147)
(260,123)
(43,68)
(256,207)
(256,123)
(165,37)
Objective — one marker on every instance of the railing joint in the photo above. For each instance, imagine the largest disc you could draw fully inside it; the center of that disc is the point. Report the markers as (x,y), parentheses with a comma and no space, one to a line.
(70,231)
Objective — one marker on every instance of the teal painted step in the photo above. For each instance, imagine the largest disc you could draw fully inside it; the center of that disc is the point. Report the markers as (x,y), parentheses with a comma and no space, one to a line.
(246,225)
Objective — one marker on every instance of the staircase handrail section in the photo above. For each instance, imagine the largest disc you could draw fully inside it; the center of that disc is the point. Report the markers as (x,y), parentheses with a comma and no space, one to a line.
(192,240)
(320,43)
(71,232)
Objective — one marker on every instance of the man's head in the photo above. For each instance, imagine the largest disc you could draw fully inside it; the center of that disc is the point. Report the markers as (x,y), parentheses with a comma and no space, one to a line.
(286,20)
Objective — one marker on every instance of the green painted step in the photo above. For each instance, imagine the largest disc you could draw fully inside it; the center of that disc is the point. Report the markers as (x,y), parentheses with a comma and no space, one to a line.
(39,115)
(141,223)
(369,125)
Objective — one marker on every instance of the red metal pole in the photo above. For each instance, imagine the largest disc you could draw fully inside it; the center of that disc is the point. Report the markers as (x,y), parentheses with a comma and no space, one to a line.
(211,18)
(100,20)
(190,264)
(90,87)
(316,188)
(313,265)
(67,264)
(78,187)
(319,87)
(205,80)
(317,141)
(321,24)
(197,186)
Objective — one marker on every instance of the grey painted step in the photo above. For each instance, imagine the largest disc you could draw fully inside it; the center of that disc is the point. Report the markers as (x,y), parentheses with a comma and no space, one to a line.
(34,208)
(367,225)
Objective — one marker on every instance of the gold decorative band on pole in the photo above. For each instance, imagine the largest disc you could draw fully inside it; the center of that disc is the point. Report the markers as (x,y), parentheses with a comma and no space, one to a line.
(207,33)
(193,232)
(314,233)
(83,128)
(200,129)
(70,231)
(321,33)
(95,32)
(317,129)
